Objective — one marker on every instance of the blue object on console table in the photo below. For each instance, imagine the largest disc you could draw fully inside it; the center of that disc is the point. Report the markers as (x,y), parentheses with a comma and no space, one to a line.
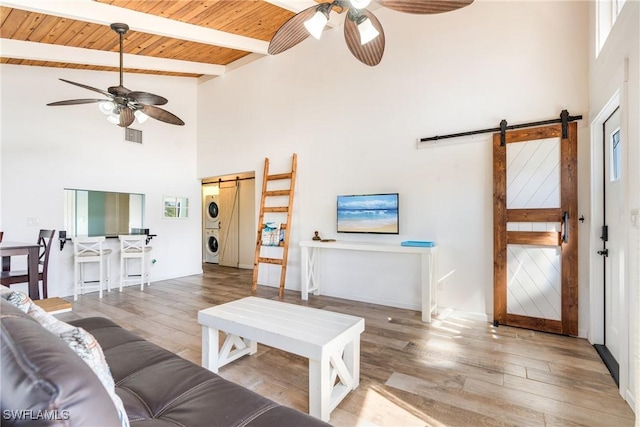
(419,243)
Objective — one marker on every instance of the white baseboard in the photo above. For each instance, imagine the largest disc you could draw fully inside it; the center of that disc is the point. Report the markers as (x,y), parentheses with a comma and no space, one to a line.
(630,398)
(444,312)
(372,300)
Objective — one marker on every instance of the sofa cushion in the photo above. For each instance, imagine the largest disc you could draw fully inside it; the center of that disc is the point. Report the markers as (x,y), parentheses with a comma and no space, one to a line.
(160,388)
(79,340)
(86,346)
(46,378)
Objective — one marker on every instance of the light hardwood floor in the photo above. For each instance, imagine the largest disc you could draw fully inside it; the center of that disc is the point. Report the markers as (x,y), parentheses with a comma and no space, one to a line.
(454,372)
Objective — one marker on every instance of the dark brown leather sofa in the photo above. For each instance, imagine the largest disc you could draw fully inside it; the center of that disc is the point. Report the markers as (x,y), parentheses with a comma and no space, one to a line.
(158,388)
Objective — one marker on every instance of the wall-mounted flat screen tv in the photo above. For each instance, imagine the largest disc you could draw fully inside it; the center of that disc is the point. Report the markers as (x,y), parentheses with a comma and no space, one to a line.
(368,213)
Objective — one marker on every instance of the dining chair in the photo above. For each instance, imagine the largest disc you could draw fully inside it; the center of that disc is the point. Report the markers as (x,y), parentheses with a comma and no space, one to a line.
(22,276)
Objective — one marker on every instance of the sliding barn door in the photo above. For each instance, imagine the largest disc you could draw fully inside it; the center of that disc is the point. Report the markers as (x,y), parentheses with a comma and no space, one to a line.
(535,229)
(229,224)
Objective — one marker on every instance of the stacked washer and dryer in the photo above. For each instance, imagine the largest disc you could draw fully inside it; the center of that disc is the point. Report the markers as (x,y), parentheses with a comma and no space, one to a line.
(211,229)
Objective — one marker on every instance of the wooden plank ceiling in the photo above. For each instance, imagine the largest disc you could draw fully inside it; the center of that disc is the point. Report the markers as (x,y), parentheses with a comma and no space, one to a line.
(253,19)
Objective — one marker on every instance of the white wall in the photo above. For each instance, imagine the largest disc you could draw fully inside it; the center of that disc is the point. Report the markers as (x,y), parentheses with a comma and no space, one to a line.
(355,130)
(608,75)
(46,149)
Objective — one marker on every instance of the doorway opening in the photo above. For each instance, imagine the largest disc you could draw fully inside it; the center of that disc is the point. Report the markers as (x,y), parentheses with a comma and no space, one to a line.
(612,252)
(610,233)
(229,228)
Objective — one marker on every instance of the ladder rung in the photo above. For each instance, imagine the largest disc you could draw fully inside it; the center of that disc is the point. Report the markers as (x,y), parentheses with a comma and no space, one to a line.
(277,176)
(276,209)
(277,193)
(270,261)
(280,245)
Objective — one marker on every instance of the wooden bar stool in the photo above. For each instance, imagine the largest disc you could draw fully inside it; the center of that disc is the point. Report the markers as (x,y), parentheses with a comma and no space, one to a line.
(134,246)
(86,250)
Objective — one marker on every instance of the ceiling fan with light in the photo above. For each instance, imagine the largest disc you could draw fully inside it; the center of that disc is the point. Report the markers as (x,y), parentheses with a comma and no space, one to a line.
(362,30)
(123,106)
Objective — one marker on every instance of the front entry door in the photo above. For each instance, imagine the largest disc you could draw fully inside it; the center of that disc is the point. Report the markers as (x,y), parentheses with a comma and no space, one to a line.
(612,238)
(535,229)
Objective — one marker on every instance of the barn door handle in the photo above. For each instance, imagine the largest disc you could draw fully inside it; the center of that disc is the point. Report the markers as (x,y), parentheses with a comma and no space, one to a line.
(565,227)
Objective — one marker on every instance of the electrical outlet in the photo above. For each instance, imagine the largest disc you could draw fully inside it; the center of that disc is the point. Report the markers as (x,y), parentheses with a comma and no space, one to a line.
(32,221)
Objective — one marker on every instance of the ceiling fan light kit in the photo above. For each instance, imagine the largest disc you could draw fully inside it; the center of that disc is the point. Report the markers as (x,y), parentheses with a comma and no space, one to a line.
(360,4)
(315,25)
(106,107)
(140,116)
(123,106)
(362,31)
(366,29)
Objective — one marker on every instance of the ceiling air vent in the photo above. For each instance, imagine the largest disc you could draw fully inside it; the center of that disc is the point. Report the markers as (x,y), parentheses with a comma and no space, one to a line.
(133,135)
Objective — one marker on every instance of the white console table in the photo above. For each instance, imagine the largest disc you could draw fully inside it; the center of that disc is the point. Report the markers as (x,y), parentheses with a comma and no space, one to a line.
(311,250)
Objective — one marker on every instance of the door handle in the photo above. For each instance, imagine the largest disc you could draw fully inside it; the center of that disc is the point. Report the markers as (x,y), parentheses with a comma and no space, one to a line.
(604,252)
(565,227)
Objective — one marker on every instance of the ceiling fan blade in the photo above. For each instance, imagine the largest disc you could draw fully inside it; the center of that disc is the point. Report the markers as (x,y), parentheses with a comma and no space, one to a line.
(147,98)
(126,117)
(104,92)
(291,32)
(76,102)
(369,53)
(162,115)
(424,7)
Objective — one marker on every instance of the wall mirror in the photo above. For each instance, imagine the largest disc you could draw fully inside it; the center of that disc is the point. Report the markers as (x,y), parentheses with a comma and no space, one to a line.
(102,213)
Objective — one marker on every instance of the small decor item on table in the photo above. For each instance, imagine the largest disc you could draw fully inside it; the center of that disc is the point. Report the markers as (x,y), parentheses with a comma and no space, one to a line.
(316,236)
(418,243)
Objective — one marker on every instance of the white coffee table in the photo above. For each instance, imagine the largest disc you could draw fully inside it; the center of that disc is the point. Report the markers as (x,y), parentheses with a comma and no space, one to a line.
(331,342)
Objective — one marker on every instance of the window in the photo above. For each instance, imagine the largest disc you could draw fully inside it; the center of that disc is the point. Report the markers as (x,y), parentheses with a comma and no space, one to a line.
(616,158)
(175,207)
(606,13)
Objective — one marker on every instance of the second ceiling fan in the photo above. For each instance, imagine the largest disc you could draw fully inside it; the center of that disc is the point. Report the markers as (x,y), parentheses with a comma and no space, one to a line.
(362,30)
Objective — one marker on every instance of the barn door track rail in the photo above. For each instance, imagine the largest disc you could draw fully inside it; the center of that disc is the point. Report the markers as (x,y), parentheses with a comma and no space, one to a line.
(564,119)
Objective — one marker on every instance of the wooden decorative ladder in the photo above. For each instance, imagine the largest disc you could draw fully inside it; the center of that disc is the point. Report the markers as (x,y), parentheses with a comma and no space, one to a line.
(279,210)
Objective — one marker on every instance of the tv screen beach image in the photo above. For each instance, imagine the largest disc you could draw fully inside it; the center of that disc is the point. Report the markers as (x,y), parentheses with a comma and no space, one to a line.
(373,213)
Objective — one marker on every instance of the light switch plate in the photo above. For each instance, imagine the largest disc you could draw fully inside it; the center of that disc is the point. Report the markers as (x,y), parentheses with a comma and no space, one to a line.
(635,217)
(32,221)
